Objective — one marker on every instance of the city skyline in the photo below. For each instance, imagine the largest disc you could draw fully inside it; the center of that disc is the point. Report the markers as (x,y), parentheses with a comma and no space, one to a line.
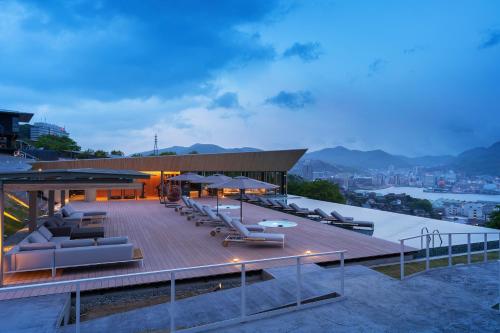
(332,73)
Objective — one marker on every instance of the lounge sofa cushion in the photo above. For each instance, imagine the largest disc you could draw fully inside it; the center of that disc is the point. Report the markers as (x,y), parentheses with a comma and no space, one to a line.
(112,240)
(36,237)
(60,239)
(77,243)
(37,246)
(90,255)
(67,211)
(45,232)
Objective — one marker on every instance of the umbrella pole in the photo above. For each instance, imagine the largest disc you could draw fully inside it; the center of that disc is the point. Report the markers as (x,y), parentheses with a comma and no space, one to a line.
(241,206)
(217,195)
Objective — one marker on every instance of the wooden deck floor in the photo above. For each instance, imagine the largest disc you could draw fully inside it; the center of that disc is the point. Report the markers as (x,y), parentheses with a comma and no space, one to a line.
(169,241)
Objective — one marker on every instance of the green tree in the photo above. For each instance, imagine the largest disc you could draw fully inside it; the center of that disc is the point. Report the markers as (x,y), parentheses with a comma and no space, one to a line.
(57,143)
(494,219)
(136,155)
(193,152)
(117,153)
(165,153)
(100,154)
(318,189)
(423,204)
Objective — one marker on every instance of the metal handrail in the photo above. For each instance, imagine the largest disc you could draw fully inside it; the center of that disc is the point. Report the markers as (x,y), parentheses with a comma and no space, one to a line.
(450,254)
(421,238)
(436,231)
(452,233)
(244,317)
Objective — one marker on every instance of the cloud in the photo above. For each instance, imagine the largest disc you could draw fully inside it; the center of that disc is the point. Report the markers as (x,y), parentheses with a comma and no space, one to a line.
(291,100)
(376,66)
(307,52)
(493,39)
(228,100)
(113,50)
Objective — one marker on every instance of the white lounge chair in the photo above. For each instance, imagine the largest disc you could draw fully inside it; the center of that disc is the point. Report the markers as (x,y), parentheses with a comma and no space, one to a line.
(228,225)
(243,235)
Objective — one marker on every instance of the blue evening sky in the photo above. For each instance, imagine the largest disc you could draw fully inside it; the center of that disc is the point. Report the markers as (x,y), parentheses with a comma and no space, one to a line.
(409,77)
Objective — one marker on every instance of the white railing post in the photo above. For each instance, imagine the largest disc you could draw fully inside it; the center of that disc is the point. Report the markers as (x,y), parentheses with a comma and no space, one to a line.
(342,273)
(427,254)
(450,249)
(77,306)
(172,301)
(468,249)
(243,292)
(299,283)
(485,247)
(402,259)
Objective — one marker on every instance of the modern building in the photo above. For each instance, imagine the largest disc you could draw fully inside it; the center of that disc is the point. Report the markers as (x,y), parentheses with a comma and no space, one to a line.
(39,129)
(9,128)
(268,166)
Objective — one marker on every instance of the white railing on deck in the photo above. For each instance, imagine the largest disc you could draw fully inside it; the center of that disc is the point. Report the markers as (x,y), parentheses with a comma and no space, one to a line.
(244,317)
(430,236)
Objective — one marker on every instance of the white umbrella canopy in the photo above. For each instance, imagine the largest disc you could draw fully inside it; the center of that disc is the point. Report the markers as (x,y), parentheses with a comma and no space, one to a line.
(244,183)
(189,177)
(216,178)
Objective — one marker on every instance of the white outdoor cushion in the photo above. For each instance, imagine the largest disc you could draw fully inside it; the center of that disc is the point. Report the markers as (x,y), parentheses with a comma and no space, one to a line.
(45,232)
(112,240)
(36,237)
(77,243)
(37,246)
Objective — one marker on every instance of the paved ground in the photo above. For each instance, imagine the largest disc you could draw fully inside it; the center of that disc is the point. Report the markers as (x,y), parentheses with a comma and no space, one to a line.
(458,299)
(41,314)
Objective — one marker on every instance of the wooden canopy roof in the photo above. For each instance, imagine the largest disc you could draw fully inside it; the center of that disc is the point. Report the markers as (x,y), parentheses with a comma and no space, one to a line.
(278,160)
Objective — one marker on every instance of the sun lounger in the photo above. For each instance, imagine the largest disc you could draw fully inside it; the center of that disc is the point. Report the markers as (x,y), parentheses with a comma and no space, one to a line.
(349,222)
(301,211)
(208,217)
(274,204)
(188,208)
(243,235)
(228,225)
(324,216)
(263,202)
(284,206)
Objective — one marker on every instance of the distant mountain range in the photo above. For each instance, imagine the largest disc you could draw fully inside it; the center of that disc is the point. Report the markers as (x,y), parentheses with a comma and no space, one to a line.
(340,159)
(474,161)
(201,148)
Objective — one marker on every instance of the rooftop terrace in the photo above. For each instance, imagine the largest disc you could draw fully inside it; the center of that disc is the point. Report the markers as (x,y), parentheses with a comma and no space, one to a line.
(168,240)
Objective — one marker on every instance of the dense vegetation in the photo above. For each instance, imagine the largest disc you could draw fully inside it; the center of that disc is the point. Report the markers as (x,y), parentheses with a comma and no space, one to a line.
(57,143)
(494,219)
(318,189)
(66,144)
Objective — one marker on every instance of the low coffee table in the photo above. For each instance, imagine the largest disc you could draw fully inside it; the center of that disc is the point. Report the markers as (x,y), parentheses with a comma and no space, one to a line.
(87,232)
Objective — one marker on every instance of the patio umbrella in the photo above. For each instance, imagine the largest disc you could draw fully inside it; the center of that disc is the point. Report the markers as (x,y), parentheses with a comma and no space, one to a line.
(217,179)
(190,177)
(244,183)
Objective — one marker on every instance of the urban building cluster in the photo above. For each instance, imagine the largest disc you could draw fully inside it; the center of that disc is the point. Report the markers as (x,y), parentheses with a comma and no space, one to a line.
(435,180)
(464,212)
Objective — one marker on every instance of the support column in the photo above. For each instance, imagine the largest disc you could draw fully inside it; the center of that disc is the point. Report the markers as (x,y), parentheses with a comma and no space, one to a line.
(32,196)
(162,195)
(51,202)
(90,195)
(2,218)
(63,198)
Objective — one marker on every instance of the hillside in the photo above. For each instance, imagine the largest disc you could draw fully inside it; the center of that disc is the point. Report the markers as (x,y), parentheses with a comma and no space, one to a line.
(477,161)
(200,148)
